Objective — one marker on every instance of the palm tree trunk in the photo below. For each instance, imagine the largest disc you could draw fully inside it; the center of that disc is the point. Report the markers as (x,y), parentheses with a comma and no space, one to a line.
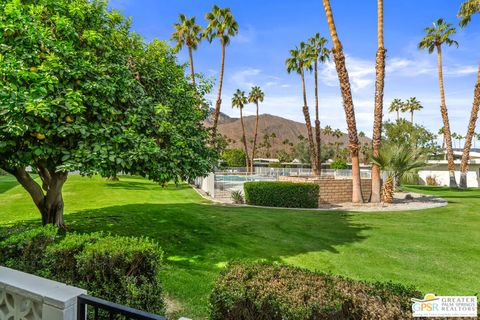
(342,72)
(470,133)
(411,116)
(219,95)
(378,113)
(306,114)
(244,138)
(398,114)
(254,149)
(446,123)
(317,123)
(192,70)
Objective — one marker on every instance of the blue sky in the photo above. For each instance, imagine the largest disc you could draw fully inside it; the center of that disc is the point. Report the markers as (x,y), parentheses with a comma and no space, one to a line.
(269,28)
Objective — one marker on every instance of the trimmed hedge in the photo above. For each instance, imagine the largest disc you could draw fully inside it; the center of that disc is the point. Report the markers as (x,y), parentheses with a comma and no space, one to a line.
(25,250)
(123,270)
(266,291)
(282,194)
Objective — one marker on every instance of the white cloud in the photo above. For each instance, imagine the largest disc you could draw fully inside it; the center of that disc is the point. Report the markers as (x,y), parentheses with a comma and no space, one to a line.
(243,78)
(246,34)
(249,77)
(361,73)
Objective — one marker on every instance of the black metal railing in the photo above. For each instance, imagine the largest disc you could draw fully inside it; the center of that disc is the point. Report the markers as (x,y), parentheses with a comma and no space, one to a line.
(113,310)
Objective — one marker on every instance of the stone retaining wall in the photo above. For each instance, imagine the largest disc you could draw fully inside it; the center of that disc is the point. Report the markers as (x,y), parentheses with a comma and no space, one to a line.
(334,190)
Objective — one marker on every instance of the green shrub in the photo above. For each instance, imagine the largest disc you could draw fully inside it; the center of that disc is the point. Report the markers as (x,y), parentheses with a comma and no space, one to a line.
(282,194)
(273,292)
(118,269)
(123,270)
(339,164)
(60,258)
(237,197)
(24,250)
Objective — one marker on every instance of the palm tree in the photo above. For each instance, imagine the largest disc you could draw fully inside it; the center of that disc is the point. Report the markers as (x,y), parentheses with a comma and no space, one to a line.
(397,105)
(468,9)
(187,33)
(378,112)
(436,36)
(398,161)
(298,62)
(441,131)
(221,25)
(342,73)
(412,105)
(454,137)
(238,101)
(318,51)
(460,138)
(256,96)
(337,133)
(327,130)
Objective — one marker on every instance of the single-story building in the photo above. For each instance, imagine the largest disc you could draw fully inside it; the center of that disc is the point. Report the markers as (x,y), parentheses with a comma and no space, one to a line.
(438,169)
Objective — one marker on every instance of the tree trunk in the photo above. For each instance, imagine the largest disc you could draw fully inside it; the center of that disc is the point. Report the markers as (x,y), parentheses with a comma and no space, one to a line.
(342,72)
(254,149)
(192,70)
(411,116)
(318,138)
(398,114)
(470,133)
(219,94)
(378,113)
(247,161)
(50,204)
(446,123)
(306,114)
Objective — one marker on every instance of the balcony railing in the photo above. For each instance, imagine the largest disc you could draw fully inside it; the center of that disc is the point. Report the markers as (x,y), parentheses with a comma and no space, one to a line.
(113,310)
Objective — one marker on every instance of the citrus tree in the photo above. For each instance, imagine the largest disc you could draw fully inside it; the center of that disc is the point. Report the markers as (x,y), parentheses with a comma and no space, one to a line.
(80,92)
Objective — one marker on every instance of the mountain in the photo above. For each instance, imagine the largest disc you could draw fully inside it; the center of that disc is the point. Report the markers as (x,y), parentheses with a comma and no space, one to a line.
(283,129)
(222,118)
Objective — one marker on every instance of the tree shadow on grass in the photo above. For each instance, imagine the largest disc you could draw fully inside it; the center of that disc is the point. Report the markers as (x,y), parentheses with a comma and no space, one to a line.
(143,185)
(7,183)
(192,234)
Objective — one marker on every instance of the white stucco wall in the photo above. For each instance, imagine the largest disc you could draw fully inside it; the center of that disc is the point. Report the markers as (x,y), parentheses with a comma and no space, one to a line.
(439,170)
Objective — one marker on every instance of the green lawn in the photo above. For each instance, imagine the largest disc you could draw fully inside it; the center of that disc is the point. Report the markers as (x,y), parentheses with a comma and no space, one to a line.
(437,250)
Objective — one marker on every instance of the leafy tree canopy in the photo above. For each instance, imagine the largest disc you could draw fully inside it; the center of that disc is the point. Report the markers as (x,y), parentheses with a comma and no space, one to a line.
(234,157)
(404,133)
(80,92)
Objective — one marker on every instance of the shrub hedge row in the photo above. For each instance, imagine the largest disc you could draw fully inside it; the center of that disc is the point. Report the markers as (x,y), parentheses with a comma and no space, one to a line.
(119,269)
(282,194)
(266,291)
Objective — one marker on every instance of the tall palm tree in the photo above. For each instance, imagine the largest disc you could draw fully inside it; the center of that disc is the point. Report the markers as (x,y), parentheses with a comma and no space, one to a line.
(337,133)
(454,137)
(187,33)
(238,101)
(299,61)
(468,9)
(221,25)
(438,35)
(441,131)
(378,112)
(327,130)
(397,105)
(460,138)
(342,73)
(319,53)
(412,105)
(256,96)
